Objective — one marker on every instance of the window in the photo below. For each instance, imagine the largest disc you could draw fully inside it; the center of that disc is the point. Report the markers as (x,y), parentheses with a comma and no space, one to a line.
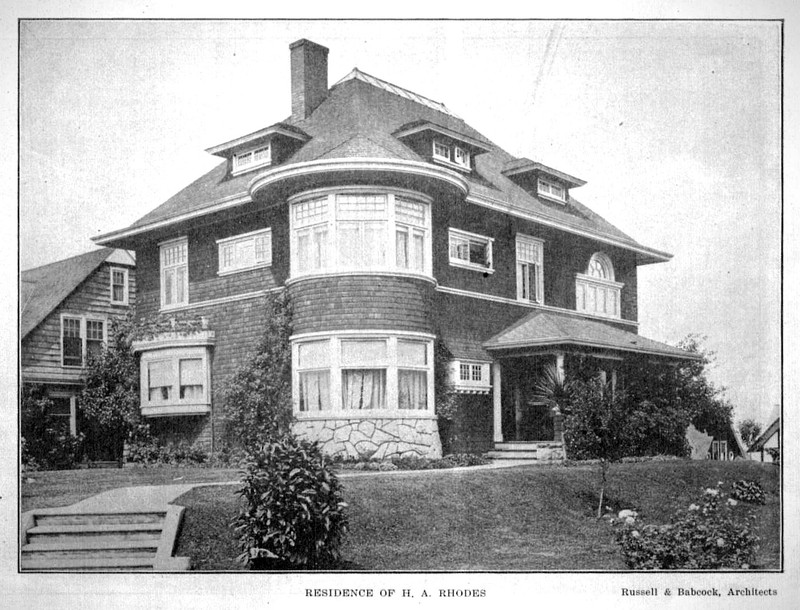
(596,292)
(175,381)
(452,155)
(470,250)
(252,159)
(552,190)
(174,273)
(81,339)
(360,230)
(470,377)
(64,410)
(119,286)
(246,251)
(363,374)
(530,278)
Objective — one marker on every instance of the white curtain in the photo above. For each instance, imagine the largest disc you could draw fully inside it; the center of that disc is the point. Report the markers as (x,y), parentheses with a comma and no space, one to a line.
(412,389)
(315,391)
(364,389)
(191,376)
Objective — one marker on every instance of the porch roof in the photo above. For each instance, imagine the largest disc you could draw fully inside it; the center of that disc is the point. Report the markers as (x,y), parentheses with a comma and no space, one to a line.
(544,329)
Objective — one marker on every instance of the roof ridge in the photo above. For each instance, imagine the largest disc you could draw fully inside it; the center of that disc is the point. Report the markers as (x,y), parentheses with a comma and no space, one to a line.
(356,74)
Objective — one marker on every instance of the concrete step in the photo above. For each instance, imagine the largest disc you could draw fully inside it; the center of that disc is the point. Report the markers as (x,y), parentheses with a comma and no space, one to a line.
(91,549)
(55,519)
(524,445)
(115,532)
(512,455)
(88,564)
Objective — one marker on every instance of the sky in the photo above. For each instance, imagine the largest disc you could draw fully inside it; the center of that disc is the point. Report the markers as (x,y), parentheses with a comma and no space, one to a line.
(675,126)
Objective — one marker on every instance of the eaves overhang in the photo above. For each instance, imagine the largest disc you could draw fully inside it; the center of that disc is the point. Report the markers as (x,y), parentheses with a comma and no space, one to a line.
(523,166)
(644,254)
(290,179)
(476,146)
(560,342)
(279,129)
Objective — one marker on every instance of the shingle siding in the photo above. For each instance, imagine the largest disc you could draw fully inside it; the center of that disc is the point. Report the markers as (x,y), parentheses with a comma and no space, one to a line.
(362,302)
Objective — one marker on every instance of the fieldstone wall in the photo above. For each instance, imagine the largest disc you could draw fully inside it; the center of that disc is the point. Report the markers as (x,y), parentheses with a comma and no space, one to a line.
(381,439)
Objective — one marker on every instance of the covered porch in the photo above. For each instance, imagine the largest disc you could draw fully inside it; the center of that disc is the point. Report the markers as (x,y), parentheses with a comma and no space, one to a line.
(525,426)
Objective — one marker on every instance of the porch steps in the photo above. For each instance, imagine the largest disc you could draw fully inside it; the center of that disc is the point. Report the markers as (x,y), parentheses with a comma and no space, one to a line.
(60,540)
(540,451)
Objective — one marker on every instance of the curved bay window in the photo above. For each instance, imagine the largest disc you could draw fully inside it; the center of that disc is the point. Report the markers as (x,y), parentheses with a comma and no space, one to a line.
(362,374)
(596,292)
(359,229)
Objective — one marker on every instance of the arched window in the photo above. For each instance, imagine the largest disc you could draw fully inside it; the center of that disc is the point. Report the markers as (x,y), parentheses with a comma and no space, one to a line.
(600,267)
(596,292)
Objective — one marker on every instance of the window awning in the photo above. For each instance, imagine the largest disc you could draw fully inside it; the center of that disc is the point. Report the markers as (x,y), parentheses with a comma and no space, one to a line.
(547,330)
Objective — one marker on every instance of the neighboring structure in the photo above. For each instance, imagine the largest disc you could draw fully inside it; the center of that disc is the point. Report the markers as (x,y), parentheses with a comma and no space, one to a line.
(65,309)
(770,439)
(722,445)
(391,223)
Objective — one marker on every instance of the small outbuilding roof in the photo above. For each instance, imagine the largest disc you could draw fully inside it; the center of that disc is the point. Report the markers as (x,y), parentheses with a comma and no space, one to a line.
(767,434)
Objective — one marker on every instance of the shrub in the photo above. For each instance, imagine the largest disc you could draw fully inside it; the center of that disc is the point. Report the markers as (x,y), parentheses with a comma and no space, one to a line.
(149,452)
(46,441)
(257,399)
(293,514)
(775,454)
(749,491)
(713,534)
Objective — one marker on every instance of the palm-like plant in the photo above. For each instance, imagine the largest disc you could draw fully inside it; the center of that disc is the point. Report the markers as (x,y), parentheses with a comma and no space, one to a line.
(553,389)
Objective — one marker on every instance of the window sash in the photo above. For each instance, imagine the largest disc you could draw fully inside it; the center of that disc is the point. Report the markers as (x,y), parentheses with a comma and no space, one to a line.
(364,389)
(551,189)
(119,286)
(174,274)
(472,250)
(81,339)
(597,298)
(174,379)
(412,390)
(315,391)
(247,251)
(252,158)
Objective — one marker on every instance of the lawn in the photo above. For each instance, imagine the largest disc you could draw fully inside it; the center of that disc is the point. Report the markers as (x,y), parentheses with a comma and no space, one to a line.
(64,487)
(531,518)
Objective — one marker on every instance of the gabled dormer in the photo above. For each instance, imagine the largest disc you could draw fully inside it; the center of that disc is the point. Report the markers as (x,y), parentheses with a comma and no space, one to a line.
(541,181)
(442,145)
(269,146)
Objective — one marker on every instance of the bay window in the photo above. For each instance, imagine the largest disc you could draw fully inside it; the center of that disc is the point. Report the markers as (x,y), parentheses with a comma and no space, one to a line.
(174,273)
(360,229)
(175,381)
(362,374)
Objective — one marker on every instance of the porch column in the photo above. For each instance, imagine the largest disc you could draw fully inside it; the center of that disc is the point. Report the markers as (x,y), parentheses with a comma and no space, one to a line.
(560,364)
(558,420)
(497,402)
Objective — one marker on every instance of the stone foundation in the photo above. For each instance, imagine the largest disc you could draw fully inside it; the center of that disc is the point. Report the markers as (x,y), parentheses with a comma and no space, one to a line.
(381,439)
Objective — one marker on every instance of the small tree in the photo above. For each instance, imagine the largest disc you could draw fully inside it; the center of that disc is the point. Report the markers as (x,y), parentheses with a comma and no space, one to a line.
(597,426)
(447,400)
(749,429)
(110,398)
(258,397)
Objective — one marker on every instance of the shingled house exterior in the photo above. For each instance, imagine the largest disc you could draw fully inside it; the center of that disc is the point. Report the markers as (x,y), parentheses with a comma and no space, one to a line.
(65,311)
(391,223)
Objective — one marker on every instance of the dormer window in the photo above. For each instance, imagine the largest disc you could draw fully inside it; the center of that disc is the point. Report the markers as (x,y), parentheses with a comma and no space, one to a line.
(451,155)
(441,151)
(252,159)
(551,190)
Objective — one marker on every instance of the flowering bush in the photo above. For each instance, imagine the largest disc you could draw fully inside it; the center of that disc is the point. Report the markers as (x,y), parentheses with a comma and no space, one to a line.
(711,534)
(749,491)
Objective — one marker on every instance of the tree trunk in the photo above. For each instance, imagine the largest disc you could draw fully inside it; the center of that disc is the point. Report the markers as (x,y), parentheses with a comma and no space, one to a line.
(603,469)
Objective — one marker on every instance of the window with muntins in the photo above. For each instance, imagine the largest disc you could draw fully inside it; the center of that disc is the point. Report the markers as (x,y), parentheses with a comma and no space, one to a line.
(451,154)
(596,292)
(174,273)
(363,375)
(552,190)
(246,251)
(470,250)
(119,286)
(360,230)
(251,159)
(530,276)
(174,378)
(81,339)
(470,377)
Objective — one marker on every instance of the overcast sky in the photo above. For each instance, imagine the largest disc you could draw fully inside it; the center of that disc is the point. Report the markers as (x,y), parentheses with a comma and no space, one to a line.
(675,126)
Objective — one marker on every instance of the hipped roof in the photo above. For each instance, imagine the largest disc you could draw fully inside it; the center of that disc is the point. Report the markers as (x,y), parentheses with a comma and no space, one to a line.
(357,120)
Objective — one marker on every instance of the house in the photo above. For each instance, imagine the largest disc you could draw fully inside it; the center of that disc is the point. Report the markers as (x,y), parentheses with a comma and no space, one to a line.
(65,309)
(721,445)
(391,224)
(768,445)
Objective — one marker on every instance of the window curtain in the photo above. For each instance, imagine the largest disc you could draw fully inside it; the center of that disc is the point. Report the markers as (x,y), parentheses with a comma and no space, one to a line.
(412,389)
(364,389)
(191,374)
(160,379)
(315,391)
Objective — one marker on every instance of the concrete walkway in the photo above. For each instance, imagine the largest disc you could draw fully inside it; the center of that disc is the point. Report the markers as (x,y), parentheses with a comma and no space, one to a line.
(157,497)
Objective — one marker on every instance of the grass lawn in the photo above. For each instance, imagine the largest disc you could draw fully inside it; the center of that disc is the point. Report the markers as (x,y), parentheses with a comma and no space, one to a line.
(64,487)
(525,518)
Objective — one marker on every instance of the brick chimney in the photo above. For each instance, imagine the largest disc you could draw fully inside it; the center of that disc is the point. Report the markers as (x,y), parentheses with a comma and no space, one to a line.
(309,65)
